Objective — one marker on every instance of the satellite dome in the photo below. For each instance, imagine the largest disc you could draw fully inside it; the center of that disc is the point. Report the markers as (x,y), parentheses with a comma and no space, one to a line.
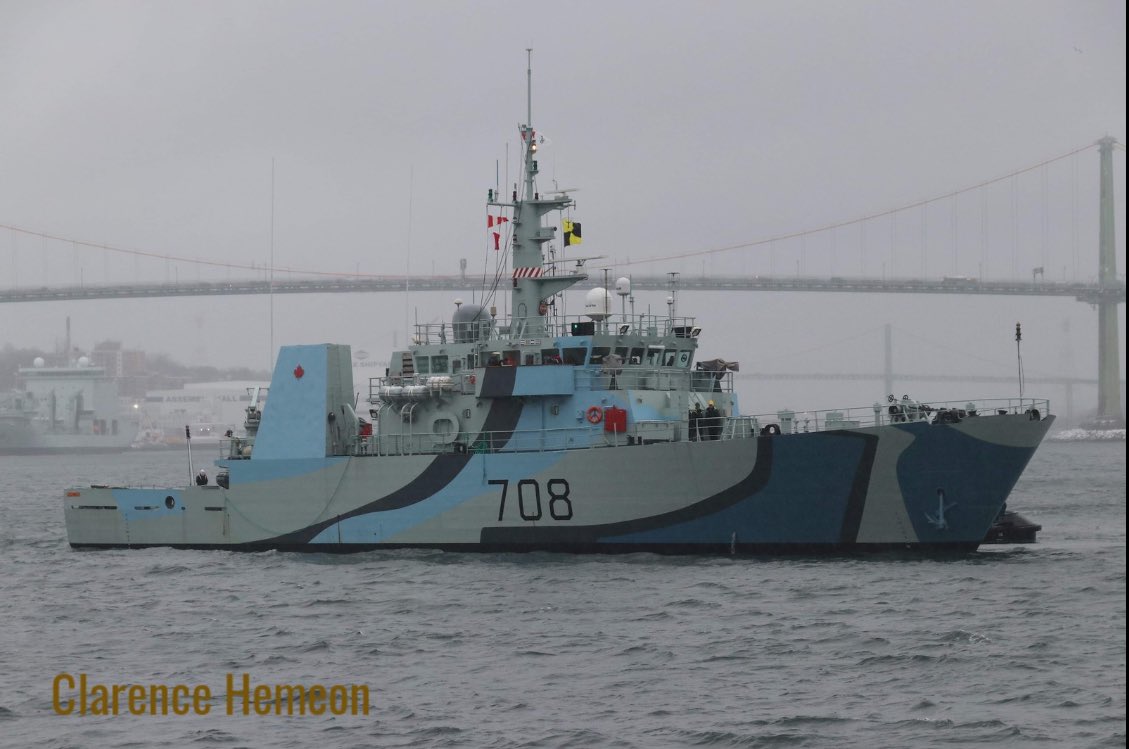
(83,361)
(466,321)
(596,304)
(38,362)
(623,286)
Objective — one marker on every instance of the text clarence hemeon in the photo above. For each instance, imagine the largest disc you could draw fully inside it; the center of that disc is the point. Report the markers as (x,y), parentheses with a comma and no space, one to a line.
(78,696)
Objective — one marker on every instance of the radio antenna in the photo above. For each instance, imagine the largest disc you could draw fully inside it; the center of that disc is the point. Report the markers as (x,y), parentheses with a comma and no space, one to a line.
(1019,358)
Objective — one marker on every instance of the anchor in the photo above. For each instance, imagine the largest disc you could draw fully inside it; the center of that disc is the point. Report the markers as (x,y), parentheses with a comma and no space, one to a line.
(938,521)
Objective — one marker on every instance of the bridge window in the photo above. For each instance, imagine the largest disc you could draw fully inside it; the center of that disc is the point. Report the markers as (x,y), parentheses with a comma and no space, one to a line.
(574,355)
(599,353)
(668,358)
(439,364)
(636,355)
(654,356)
(684,359)
(423,365)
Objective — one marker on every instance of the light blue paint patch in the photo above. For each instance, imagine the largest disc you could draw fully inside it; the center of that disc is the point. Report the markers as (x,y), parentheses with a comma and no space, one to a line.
(644,412)
(544,380)
(251,471)
(377,527)
(294,419)
(147,504)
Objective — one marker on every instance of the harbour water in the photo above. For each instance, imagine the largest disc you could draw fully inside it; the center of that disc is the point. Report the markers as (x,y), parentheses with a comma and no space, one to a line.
(1012,646)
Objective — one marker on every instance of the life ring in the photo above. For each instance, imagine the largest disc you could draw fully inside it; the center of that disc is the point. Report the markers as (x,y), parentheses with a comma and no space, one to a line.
(771,429)
(595,415)
(471,379)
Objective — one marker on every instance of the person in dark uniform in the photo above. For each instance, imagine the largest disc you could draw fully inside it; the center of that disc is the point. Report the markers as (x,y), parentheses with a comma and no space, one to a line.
(202,478)
(712,423)
(695,420)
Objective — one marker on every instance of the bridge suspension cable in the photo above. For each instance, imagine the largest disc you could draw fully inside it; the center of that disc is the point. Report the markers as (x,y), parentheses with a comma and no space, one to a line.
(627,262)
(863,219)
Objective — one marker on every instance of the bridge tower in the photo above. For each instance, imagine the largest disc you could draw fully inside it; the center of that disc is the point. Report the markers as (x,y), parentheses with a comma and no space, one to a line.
(1109,371)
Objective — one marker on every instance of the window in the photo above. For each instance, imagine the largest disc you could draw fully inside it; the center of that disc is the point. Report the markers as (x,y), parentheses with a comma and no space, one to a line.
(422,365)
(574,355)
(439,364)
(636,355)
(654,356)
(668,358)
(598,354)
(684,359)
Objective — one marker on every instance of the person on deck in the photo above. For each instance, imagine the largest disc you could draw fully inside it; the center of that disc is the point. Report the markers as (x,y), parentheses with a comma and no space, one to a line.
(202,478)
(695,420)
(712,422)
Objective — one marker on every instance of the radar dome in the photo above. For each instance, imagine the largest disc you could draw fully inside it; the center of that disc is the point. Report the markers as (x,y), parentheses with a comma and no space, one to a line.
(596,304)
(38,362)
(467,321)
(623,286)
(83,361)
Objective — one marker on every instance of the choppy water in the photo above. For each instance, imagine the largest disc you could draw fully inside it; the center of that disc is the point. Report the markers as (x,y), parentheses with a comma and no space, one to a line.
(1012,646)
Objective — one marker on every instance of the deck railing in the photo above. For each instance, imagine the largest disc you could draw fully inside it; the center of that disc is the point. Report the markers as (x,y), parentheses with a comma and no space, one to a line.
(554,327)
(585,436)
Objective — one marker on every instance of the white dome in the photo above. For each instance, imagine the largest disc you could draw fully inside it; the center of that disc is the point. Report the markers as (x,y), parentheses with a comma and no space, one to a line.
(596,304)
(83,361)
(623,286)
(38,362)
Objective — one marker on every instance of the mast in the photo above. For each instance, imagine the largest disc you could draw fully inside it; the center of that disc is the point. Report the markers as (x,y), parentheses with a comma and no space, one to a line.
(530,285)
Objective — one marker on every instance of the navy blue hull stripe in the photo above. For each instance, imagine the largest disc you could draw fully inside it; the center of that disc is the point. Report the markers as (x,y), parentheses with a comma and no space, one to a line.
(856,502)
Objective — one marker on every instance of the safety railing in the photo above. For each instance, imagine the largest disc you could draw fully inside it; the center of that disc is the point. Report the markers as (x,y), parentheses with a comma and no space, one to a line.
(705,429)
(559,326)
(898,412)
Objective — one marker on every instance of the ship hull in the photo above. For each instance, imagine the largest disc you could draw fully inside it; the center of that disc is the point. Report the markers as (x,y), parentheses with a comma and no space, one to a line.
(29,441)
(921,486)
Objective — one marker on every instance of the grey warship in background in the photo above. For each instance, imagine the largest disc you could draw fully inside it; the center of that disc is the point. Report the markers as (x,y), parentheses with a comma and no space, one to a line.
(72,408)
(536,431)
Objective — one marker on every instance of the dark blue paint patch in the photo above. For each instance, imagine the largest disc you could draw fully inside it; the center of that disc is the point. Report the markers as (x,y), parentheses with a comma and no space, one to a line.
(805,500)
(975,476)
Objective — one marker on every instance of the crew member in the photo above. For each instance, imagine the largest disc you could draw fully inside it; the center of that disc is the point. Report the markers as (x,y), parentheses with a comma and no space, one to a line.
(713,422)
(202,478)
(695,420)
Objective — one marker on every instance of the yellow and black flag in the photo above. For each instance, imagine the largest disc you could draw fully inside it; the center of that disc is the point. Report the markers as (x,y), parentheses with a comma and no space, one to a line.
(571,232)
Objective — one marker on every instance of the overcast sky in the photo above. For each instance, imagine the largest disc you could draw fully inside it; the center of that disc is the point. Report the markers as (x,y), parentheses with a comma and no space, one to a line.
(154,126)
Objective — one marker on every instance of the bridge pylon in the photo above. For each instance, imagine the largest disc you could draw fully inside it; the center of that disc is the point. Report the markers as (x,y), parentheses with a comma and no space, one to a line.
(1109,415)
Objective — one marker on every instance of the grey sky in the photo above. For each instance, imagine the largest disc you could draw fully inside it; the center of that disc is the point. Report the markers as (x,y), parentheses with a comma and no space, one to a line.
(153,126)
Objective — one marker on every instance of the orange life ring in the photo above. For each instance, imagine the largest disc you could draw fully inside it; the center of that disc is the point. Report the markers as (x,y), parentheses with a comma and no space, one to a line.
(595,415)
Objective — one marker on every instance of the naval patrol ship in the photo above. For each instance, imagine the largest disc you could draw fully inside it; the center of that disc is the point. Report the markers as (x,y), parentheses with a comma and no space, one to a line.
(597,433)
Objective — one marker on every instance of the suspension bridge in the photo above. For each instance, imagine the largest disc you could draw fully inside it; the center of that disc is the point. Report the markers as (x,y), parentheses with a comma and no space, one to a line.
(1104,292)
